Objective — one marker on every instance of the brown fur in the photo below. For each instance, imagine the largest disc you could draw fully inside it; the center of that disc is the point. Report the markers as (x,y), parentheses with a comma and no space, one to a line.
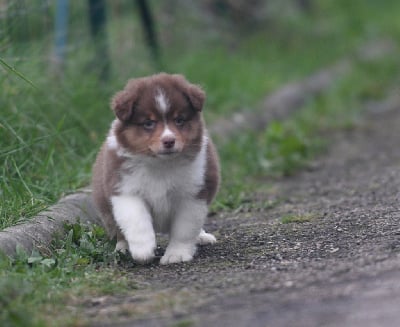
(211,180)
(105,176)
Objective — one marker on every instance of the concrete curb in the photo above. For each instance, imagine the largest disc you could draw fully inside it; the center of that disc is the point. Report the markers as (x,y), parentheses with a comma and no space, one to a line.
(39,231)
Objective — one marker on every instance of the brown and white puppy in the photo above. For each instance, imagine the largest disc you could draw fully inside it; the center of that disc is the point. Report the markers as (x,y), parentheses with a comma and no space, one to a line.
(158,170)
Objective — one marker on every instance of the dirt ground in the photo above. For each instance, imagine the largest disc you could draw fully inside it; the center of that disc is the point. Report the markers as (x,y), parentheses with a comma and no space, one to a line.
(339,268)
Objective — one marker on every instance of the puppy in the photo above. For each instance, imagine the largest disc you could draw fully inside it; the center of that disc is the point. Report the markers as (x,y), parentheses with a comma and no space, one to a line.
(158,169)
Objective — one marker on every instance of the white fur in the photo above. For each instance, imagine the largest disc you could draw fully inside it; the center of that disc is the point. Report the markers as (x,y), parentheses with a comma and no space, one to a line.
(185,229)
(206,238)
(167,132)
(162,101)
(112,142)
(154,179)
(159,195)
(134,220)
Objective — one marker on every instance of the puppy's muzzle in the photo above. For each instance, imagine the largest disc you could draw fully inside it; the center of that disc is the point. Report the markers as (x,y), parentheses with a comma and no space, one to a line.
(168,142)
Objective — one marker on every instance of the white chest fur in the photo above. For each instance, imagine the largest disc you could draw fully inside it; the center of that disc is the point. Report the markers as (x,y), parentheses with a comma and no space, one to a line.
(163,183)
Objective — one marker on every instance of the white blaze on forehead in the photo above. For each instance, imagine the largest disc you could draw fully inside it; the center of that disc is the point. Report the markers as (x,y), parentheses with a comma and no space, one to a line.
(162,101)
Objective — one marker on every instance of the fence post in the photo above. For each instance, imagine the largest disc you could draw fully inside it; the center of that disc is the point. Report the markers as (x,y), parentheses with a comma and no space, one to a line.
(61,29)
(98,23)
(149,31)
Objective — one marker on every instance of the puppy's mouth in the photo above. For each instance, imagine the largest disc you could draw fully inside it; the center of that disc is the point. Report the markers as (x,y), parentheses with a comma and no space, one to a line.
(167,153)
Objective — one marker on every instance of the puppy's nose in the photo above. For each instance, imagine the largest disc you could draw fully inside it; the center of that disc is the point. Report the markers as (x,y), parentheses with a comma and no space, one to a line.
(168,142)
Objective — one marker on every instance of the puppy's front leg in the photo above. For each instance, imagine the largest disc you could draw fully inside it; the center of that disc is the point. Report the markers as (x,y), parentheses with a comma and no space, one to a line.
(134,220)
(185,229)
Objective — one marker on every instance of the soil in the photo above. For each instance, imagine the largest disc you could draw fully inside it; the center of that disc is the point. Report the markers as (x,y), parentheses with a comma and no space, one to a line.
(340,267)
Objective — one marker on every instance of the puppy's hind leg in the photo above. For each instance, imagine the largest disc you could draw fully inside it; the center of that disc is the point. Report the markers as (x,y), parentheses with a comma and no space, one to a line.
(122,245)
(206,238)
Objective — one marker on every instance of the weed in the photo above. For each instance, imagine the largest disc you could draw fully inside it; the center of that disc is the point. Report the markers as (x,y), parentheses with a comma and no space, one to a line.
(297,218)
(287,147)
(183,323)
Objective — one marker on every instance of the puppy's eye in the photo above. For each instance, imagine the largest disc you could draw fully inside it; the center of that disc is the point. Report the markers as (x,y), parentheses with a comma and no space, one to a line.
(149,124)
(179,121)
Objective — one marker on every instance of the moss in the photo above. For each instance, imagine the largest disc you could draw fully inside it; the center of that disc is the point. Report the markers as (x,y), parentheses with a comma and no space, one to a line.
(298,218)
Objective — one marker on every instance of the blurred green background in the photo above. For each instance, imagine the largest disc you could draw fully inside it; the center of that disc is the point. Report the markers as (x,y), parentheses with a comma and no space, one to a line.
(239,51)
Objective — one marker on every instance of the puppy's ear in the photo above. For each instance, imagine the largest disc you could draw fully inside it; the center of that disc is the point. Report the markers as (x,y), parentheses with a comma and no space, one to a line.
(194,93)
(196,96)
(123,101)
(122,106)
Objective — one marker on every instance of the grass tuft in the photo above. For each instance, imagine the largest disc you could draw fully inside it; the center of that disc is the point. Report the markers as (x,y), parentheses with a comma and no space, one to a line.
(298,218)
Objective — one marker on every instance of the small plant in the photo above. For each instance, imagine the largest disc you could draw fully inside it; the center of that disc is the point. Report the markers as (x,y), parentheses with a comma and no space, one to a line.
(299,218)
(286,147)
(85,245)
(183,323)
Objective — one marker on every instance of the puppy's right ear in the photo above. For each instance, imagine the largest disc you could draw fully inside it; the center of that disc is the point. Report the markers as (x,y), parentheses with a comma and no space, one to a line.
(122,105)
(123,102)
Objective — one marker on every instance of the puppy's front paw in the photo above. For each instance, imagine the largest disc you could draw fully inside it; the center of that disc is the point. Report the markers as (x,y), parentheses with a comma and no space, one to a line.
(178,254)
(142,253)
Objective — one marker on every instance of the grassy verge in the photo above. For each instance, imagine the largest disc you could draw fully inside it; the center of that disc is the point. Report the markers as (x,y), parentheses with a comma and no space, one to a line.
(34,287)
(49,136)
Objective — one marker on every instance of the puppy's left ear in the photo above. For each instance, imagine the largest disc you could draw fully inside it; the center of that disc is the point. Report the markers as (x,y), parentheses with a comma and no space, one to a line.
(196,96)
(194,93)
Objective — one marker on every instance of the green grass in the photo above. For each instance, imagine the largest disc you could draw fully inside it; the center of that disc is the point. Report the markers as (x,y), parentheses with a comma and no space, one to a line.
(49,135)
(81,266)
(287,146)
(47,145)
(299,219)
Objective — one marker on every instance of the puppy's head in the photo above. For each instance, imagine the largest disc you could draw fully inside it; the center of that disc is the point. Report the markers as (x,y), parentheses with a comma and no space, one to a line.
(159,116)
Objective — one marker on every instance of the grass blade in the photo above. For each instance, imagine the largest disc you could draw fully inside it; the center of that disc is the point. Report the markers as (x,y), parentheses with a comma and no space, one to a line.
(16,72)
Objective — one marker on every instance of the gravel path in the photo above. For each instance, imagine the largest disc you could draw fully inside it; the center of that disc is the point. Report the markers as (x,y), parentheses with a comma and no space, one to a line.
(341,268)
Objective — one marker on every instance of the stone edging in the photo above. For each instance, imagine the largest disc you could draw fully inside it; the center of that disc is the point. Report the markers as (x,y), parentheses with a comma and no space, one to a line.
(39,231)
